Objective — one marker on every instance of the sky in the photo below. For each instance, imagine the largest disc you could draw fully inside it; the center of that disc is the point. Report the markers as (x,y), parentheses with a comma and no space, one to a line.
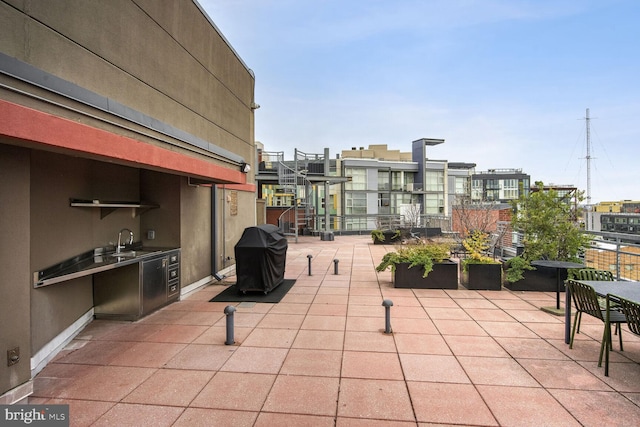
(506,83)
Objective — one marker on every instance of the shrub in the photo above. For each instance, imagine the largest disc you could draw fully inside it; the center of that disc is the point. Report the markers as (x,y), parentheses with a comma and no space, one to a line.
(418,255)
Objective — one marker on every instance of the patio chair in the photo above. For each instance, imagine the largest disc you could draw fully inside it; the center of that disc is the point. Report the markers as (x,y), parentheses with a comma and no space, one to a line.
(631,311)
(593,274)
(586,301)
(603,275)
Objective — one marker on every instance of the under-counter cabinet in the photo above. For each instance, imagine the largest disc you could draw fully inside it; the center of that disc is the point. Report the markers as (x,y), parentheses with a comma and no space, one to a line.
(133,291)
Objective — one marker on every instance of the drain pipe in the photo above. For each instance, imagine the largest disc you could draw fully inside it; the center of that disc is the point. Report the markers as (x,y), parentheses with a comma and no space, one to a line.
(224,235)
(214,231)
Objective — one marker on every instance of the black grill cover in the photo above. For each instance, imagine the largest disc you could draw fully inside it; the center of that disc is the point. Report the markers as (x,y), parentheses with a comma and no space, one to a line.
(260,258)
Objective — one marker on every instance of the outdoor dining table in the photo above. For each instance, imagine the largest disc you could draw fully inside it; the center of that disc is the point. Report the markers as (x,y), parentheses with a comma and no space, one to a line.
(558,265)
(625,289)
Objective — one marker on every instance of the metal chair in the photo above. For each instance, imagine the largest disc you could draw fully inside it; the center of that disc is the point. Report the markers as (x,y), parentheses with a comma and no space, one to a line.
(593,274)
(586,301)
(631,311)
(602,275)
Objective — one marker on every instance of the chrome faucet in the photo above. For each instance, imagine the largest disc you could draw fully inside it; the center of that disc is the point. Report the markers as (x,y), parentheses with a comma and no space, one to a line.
(120,245)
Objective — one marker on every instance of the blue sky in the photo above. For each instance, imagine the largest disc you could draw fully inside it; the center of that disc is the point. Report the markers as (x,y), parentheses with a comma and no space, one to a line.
(506,83)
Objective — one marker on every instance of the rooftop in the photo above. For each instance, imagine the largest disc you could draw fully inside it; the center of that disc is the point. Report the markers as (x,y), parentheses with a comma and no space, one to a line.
(320,357)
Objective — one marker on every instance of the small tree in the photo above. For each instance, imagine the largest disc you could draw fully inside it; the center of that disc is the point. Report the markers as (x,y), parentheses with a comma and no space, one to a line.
(477,243)
(547,223)
(411,215)
(483,217)
(469,215)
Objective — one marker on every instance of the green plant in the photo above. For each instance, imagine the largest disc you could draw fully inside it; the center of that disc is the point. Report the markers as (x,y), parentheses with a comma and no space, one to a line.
(418,255)
(549,229)
(516,267)
(377,235)
(477,244)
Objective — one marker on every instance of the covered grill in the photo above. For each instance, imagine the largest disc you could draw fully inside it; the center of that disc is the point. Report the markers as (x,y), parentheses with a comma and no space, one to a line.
(260,258)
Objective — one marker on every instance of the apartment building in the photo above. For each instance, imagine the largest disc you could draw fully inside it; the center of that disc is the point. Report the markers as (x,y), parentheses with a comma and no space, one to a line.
(499,185)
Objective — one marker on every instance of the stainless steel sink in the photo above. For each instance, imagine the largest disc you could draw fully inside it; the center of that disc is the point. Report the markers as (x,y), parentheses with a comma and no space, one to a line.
(129,254)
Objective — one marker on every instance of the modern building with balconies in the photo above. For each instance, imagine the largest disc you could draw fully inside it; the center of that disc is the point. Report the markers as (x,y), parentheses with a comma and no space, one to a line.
(499,185)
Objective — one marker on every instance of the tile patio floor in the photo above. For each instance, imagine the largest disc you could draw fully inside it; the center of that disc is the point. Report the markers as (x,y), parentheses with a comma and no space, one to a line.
(320,358)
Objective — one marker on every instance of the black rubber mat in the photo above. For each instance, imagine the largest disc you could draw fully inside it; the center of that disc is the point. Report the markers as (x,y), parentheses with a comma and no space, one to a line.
(231,294)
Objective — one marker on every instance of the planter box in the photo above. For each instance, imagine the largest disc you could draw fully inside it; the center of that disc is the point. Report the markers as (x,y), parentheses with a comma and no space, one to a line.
(542,279)
(484,277)
(389,238)
(443,276)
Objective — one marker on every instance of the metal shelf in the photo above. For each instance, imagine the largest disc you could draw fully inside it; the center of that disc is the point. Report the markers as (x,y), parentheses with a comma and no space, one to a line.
(107,207)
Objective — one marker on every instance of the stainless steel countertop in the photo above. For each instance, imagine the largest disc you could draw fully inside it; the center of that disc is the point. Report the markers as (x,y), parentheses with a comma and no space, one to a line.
(92,262)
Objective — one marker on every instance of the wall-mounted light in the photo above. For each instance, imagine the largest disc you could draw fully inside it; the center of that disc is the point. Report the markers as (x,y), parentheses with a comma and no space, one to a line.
(245,167)
(254,106)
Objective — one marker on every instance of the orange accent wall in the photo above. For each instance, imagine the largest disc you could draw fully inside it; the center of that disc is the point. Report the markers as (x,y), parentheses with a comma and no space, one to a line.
(53,132)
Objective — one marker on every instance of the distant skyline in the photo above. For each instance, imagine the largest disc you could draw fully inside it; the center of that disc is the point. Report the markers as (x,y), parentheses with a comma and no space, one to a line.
(506,83)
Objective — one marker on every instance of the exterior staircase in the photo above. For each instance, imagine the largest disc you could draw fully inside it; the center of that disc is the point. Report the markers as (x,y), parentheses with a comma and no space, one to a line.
(298,217)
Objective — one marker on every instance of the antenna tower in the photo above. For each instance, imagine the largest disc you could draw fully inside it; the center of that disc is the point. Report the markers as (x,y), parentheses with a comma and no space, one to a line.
(587,120)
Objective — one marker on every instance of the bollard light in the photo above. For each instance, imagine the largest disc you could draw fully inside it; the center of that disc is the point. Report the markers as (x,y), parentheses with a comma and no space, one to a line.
(387,304)
(309,258)
(335,266)
(228,311)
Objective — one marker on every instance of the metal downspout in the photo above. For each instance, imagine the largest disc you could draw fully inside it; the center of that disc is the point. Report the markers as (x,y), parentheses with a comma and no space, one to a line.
(214,231)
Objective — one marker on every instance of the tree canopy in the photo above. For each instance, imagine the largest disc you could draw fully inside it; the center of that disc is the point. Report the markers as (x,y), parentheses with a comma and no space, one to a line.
(547,222)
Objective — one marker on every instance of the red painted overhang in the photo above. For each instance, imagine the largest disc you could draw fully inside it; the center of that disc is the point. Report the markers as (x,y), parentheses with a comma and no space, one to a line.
(57,133)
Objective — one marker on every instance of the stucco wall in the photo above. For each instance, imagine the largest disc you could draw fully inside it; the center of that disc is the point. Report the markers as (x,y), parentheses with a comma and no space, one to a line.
(195,226)
(160,59)
(147,55)
(14,285)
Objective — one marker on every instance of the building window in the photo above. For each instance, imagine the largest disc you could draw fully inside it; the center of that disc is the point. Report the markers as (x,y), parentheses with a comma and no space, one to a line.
(476,189)
(493,195)
(355,203)
(461,185)
(396,180)
(434,181)
(493,184)
(384,203)
(510,187)
(358,179)
(399,199)
(433,204)
(383,180)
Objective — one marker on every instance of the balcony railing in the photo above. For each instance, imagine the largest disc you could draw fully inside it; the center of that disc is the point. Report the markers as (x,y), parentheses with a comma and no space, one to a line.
(363,224)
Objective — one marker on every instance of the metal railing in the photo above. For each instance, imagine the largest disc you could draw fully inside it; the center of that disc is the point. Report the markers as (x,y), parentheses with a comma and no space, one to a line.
(615,252)
(364,224)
